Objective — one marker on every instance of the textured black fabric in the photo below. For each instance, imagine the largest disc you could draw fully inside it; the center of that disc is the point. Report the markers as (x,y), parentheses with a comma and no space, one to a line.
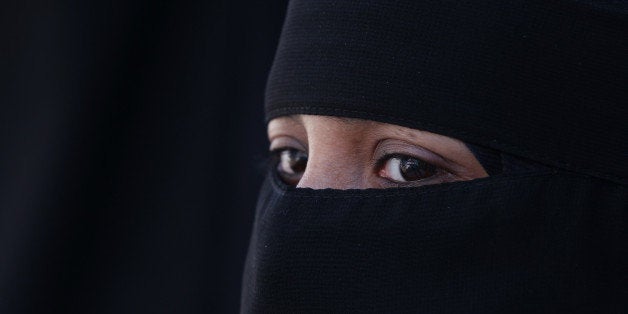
(496,162)
(538,243)
(510,75)
(538,89)
(490,159)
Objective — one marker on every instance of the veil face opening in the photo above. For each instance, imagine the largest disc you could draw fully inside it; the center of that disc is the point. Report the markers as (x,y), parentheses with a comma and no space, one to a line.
(535,90)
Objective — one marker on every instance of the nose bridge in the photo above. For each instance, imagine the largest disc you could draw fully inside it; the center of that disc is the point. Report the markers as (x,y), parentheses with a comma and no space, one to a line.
(333,163)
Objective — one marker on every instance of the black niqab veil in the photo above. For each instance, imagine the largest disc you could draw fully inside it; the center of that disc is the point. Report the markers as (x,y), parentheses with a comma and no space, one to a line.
(545,81)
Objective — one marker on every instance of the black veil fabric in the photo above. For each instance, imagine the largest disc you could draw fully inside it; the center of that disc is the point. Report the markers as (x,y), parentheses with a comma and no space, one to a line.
(538,91)
(542,242)
(536,79)
(130,133)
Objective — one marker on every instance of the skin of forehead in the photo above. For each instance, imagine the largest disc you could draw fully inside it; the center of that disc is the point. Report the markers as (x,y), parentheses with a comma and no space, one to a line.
(450,149)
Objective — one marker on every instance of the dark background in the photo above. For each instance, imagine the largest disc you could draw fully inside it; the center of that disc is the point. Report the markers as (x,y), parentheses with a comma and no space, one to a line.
(130,138)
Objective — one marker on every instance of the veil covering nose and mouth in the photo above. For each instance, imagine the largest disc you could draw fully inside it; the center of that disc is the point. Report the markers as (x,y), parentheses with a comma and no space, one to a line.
(541,81)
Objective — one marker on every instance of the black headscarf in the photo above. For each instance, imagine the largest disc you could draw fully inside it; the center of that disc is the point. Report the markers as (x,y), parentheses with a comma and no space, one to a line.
(544,81)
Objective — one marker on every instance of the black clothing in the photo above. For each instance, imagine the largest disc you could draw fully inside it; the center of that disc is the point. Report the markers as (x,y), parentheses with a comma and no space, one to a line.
(543,81)
(547,242)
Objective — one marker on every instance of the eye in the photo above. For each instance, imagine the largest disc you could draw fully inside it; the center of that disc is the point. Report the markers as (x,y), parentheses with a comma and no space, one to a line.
(291,164)
(406,169)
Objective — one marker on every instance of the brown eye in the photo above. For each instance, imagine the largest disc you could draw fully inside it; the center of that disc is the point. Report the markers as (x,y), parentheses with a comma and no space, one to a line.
(406,168)
(291,165)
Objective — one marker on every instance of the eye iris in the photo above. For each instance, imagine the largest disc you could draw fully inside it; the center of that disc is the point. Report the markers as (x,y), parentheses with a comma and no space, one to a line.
(293,161)
(413,169)
(297,160)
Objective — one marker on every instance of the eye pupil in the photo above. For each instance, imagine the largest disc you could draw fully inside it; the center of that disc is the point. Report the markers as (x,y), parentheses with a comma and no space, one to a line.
(292,161)
(291,165)
(413,169)
(297,160)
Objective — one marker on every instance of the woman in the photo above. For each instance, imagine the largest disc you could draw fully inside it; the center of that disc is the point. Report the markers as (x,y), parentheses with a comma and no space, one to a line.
(376,109)
(359,154)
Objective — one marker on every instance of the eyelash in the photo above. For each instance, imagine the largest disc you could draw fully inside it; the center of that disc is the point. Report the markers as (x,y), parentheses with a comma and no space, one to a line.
(276,160)
(387,156)
(437,172)
(382,161)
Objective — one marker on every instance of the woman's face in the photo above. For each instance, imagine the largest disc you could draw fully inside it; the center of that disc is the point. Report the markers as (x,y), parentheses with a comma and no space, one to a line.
(341,153)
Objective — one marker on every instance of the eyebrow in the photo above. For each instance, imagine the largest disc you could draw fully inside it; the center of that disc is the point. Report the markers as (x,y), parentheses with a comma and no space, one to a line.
(298,118)
(345,119)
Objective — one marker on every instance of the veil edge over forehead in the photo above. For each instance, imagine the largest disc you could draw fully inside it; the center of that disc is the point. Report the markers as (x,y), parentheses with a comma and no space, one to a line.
(542,80)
